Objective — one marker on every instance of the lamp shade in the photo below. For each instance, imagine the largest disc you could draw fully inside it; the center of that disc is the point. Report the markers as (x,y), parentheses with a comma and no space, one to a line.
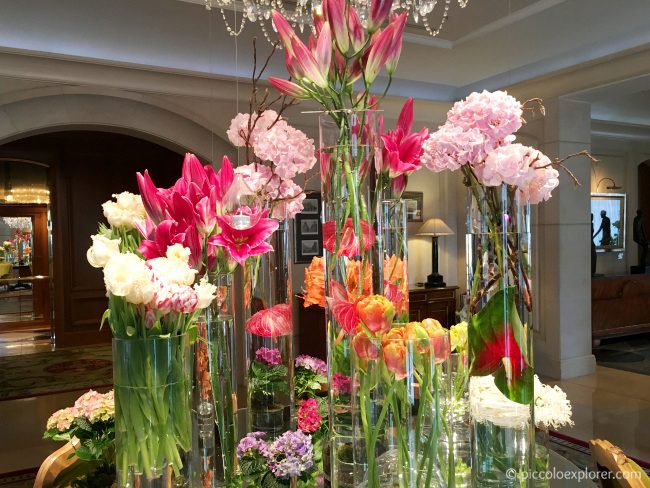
(434,227)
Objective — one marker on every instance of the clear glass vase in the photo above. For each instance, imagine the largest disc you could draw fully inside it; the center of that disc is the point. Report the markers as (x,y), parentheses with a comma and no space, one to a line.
(392,250)
(542,461)
(499,306)
(153,427)
(269,338)
(214,390)
(349,146)
(401,391)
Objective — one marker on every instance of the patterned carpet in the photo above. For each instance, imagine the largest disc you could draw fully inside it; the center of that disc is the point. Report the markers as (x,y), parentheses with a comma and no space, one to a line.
(57,371)
(627,353)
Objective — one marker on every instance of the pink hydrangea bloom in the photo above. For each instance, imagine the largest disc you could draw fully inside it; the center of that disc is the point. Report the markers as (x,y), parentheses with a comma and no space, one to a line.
(451,146)
(289,200)
(61,420)
(238,130)
(259,178)
(96,406)
(495,114)
(341,384)
(544,180)
(290,150)
(509,164)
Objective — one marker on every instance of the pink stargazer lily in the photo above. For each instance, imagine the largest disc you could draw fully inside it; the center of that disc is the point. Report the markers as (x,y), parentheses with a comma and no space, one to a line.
(356,30)
(324,49)
(271,322)
(153,201)
(250,241)
(284,29)
(402,148)
(308,64)
(378,54)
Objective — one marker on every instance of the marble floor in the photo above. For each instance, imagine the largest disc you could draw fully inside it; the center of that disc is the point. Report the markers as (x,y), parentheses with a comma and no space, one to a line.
(611,404)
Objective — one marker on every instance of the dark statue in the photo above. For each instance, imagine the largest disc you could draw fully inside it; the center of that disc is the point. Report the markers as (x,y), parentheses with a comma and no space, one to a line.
(606,228)
(639,236)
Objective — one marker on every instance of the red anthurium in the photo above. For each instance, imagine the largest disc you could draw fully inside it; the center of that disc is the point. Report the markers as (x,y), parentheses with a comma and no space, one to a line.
(501,350)
(348,241)
(343,310)
(271,322)
(242,243)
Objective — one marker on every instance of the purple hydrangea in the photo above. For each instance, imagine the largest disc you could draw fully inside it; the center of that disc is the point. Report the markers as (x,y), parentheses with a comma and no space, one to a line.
(253,441)
(270,357)
(311,363)
(291,454)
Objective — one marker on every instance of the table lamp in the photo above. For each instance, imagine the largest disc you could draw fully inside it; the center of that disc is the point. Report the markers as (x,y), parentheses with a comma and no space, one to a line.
(434,228)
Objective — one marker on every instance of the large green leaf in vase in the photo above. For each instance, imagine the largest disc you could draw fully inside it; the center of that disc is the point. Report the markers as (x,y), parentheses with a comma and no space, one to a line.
(497,340)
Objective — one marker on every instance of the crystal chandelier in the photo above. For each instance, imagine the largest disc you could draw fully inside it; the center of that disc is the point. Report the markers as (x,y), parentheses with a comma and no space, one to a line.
(299,12)
(20,223)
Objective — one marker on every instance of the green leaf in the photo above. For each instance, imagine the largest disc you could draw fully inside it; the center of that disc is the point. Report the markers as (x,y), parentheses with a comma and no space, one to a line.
(252,465)
(270,481)
(106,316)
(498,344)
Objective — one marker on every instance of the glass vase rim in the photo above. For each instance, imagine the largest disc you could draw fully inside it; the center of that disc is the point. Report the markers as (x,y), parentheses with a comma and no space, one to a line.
(343,110)
(151,338)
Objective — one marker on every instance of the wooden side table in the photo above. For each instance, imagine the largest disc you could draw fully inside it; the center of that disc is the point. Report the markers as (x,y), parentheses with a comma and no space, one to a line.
(435,303)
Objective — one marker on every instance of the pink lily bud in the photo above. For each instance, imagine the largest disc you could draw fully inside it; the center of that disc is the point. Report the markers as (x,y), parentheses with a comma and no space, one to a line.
(357,32)
(288,88)
(193,169)
(379,10)
(334,11)
(152,202)
(319,19)
(206,216)
(379,50)
(396,45)
(405,120)
(285,31)
(292,65)
(324,49)
(355,71)
(307,63)
(224,179)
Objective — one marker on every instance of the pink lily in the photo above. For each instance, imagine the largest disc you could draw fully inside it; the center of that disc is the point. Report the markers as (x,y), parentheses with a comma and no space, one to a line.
(251,241)
(156,243)
(289,88)
(292,65)
(396,45)
(271,322)
(334,11)
(402,149)
(308,64)
(206,216)
(357,32)
(193,170)
(151,198)
(223,179)
(344,311)
(319,19)
(379,10)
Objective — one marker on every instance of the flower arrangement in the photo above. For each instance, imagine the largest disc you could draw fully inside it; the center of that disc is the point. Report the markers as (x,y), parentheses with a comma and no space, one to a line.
(392,362)
(275,463)
(91,423)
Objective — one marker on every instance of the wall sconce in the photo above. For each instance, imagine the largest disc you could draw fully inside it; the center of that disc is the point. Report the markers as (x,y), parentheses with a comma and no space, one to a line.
(613,186)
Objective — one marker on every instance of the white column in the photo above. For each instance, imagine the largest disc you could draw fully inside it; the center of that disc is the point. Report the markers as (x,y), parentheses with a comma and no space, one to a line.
(562,236)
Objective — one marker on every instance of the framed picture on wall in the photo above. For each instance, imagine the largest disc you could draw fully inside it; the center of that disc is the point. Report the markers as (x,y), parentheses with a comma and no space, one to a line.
(608,221)
(414,205)
(308,230)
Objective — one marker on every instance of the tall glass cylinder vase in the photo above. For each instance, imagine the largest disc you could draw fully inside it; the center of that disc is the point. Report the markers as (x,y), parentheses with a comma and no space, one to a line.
(153,427)
(401,388)
(214,392)
(392,243)
(499,303)
(269,338)
(349,146)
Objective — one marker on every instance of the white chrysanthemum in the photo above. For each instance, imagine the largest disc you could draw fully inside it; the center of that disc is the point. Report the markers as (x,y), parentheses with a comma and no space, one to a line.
(126,275)
(552,407)
(488,404)
(205,292)
(102,250)
(125,211)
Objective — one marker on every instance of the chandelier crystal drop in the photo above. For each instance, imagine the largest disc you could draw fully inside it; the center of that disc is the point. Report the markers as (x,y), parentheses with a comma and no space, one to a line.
(299,13)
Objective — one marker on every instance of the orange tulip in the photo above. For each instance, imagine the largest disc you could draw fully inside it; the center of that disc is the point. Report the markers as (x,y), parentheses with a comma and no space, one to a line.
(440,344)
(365,347)
(376,312)
(353,273)
(394,351)
(415,332)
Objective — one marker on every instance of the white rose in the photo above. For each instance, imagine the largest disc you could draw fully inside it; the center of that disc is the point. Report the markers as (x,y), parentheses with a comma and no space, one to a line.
(205,293)
(102,250)
(125,210)
(126,275)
